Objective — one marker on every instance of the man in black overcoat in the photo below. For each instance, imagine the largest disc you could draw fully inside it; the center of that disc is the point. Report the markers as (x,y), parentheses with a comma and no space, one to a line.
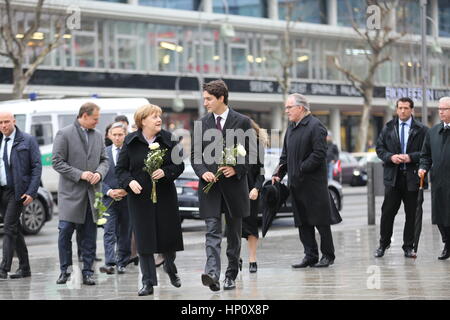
(229,194)
(435,157)
(304,160)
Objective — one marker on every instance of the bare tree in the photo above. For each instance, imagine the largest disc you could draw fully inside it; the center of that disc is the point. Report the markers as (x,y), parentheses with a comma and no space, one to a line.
(14,43)
(377,38)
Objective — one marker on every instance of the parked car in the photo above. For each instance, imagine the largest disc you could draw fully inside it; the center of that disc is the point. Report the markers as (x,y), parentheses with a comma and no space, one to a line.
(348,164)
(36,214)
(360,174)
(187,189)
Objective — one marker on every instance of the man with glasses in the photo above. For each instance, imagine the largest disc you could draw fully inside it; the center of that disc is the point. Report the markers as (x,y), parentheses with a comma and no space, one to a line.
(304,160)
(435,157)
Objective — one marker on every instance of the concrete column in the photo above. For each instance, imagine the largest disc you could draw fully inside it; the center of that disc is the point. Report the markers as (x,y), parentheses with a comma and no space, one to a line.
(335,126)
(387,115)
(434,17)
(332,12)
(272,8)
(133,2)
(434,117)
(207,5)
(392,21)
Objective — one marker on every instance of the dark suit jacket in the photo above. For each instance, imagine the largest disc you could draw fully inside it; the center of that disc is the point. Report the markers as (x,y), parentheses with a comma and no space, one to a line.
(388,144)
(233,190)
(26,166)
(110,181)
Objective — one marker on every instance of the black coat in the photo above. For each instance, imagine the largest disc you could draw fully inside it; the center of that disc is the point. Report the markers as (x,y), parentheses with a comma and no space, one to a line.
(157,226)
(388,144)
(435,158)
(332,152)
(304,159)
(234,190)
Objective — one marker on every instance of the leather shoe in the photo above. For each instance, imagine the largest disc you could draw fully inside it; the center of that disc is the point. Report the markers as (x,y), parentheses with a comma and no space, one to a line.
(3,274)
(173,276)
(324,262)
(20,274)
(107,269)
(63,277)
(146,290)
(229,284)
(121,269)
(253,267)
(305,263)
(445,254)
(380,251)
(88,280)
(134,260)
(409,253)
(211,282)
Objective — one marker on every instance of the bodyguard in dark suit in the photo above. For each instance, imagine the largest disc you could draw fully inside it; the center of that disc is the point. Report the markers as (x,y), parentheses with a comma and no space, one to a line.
(20,174)
(304,159)
(435,158)
(229,194)
(399,145)
(117,228)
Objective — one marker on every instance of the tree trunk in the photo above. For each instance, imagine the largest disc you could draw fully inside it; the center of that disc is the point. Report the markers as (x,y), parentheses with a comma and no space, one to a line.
(19,81)
(364,124)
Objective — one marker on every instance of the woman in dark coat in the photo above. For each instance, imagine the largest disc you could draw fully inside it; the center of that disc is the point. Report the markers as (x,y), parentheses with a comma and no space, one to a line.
(157,226)
(255,179)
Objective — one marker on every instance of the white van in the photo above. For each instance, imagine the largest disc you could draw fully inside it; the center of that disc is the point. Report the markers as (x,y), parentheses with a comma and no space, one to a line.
(43,119)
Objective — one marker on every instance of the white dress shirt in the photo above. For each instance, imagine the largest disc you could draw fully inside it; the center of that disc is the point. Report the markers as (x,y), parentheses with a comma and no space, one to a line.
(2,164)
(223,117)
(407,128)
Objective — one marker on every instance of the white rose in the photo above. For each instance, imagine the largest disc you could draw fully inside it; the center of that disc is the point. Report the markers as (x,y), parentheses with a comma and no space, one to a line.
(154,146)
(241,150)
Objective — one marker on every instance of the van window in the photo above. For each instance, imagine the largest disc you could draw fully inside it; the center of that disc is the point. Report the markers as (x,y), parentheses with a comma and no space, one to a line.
(42,129)
(20,121)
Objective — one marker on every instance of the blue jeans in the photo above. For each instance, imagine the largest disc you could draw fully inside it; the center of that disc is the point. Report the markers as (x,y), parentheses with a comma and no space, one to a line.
(88,243)
(330,170)
(117,231)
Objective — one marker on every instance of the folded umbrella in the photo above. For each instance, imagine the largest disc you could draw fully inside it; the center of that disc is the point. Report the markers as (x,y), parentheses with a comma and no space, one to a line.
(272,197)
(419,214)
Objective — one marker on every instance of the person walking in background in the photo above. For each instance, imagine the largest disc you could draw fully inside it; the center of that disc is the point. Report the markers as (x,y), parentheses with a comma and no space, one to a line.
(304,160)
(229,194)
(79,157)
(157,226)
(435,158)
(399,145)
(332,155)
(255,180)
(117,230)
(20,175)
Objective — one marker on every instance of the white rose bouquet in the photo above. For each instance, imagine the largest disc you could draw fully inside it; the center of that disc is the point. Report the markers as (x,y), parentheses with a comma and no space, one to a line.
(101,208)
(153,162)
(229,159)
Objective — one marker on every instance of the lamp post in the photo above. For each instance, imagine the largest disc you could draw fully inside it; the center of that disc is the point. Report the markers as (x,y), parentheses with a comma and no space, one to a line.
(423,27)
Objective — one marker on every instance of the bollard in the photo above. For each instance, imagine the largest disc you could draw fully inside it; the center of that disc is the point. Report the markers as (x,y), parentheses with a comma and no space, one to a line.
(370,194)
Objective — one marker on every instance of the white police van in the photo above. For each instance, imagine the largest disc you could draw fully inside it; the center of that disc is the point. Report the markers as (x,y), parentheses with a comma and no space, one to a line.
(43,119)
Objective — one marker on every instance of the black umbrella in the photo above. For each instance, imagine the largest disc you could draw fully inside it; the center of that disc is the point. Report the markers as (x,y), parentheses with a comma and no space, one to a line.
(272,197)
(419,213)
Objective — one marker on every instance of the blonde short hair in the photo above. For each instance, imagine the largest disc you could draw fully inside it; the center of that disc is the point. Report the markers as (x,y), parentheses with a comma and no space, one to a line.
(144,111)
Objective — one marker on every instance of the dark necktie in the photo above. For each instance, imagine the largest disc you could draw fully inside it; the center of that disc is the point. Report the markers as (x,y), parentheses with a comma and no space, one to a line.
(218,125)
(117,155)
(9,178)
(402,142)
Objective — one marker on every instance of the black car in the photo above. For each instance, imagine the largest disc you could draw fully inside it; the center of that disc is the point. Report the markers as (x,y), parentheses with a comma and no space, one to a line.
(187,189)
(36,214)
(359,177)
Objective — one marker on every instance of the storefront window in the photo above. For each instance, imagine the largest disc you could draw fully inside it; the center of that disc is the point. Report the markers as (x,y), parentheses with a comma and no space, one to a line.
(313,11)
(173,4)
(408,13)
(351,11)
(252,8)
(444,18)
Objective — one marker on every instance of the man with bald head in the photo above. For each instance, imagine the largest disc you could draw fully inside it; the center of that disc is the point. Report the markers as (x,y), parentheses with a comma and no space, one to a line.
(435,157)
(20,175)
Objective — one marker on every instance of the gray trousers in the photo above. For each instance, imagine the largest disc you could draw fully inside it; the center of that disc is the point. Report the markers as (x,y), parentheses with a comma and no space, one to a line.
(213,245)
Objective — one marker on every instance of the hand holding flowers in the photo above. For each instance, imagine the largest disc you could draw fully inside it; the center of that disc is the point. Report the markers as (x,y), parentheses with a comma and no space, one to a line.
(152,165)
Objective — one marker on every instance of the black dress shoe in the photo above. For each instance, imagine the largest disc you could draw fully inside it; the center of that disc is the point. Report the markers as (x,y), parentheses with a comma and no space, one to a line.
(173,276)
(211,282)
(253,267)
(63,277)
(229,284)
(88,280)
(146,290)
(409,253)
(20,274)
(445,254)
(305,263)
(240,264)
(380,251)
(324,262)
(107,269)
(3,274)
(121,269)
(134,260)
(97,259)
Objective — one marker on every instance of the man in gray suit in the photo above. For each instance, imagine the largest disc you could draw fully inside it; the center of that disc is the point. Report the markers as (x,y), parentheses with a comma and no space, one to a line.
(79,157)
(229,194)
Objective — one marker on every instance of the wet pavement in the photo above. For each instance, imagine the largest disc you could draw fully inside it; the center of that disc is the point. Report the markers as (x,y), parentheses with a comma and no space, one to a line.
(356,274)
